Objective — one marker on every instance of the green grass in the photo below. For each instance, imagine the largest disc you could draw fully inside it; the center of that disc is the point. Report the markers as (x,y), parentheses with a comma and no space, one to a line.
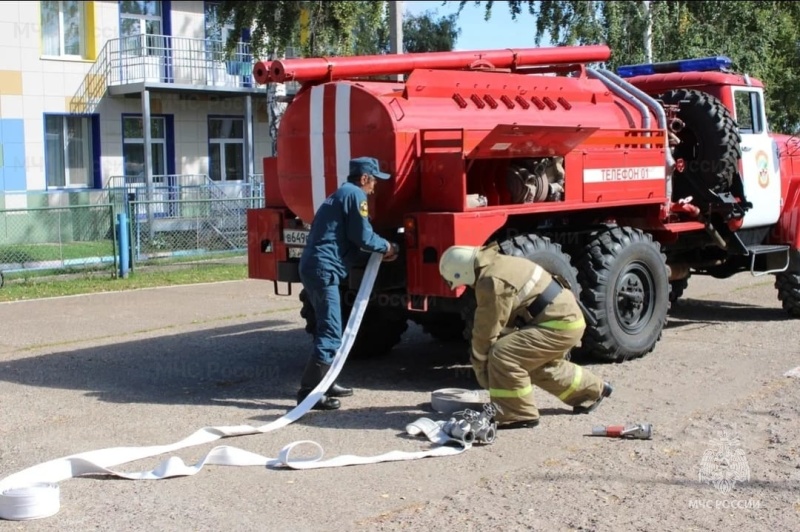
(88,282)
(15,253)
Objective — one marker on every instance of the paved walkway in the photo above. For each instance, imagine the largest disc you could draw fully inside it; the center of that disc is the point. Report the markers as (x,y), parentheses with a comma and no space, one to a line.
(68,319)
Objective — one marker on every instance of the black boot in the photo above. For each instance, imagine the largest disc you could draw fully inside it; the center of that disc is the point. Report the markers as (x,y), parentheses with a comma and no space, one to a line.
(606,391)
(339,391)
(312,376)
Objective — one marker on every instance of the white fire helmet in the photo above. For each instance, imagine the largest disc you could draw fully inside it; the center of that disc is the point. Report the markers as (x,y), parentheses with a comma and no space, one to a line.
(457,265)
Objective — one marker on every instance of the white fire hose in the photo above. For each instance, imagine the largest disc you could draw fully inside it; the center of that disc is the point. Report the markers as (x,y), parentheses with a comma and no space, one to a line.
(34,492)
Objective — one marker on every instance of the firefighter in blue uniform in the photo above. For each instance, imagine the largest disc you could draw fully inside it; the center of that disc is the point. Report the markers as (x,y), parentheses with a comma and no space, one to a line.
(340,233)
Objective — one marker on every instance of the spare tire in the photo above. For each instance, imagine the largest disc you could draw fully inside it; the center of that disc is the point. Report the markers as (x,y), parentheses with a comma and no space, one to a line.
(709,145)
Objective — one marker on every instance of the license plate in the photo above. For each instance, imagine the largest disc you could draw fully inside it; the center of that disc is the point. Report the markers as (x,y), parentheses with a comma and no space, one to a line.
(295,253)
(294,237)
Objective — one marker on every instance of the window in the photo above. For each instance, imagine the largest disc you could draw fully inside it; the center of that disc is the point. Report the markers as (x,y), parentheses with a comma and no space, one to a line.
(133,147)
(141,26)
(68,151)
(215,31)
(217,37)
(748,111)
(63,29)
(217,34)
(226,149)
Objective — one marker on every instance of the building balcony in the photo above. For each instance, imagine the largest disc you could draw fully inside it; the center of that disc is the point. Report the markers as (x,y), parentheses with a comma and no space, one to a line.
(160,61)
(129,65)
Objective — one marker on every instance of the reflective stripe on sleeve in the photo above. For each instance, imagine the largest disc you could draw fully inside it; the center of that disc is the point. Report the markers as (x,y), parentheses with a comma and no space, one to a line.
(526,289)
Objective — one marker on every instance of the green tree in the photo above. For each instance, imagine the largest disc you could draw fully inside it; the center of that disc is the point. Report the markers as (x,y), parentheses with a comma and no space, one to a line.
(760,37)
(333,28)
(277,25)
(421,33)
(424,33)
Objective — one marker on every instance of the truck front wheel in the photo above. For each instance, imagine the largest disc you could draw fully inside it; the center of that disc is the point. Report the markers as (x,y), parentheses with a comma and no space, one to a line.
(626,289)
(788,285)
(380,330)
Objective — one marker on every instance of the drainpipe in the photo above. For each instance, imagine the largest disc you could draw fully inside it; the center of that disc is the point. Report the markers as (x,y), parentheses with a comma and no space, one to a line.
(248,138)
(148,159)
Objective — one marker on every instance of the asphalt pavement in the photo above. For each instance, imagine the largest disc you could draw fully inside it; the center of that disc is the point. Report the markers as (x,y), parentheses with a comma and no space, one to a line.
(150,367)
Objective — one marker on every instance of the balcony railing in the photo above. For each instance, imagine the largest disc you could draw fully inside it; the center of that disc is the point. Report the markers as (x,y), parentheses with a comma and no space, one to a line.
(163,60)
(178,60)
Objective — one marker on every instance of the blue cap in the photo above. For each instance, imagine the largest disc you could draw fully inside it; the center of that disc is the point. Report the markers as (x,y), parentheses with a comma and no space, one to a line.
(367,165)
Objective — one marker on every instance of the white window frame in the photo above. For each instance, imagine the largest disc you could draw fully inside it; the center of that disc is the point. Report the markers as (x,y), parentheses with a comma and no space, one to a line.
(153,140)
(225,29)
(88,141)
(143,19)
(61,36)
(143,27)
(223,178)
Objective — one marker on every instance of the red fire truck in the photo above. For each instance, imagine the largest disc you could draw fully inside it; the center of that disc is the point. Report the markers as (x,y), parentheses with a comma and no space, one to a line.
(627,183)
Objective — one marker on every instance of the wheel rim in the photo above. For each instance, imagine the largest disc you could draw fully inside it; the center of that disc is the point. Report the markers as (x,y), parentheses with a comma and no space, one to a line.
(634,298)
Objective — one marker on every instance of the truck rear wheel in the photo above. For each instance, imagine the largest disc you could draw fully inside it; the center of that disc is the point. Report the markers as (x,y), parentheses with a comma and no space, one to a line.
(788,285)
(626,289)
(538,249)
(709,144)
(380,330)
(546,254)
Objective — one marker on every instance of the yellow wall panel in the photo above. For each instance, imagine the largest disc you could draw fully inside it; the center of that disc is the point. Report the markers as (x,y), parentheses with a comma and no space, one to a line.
(10,82)
(91,34)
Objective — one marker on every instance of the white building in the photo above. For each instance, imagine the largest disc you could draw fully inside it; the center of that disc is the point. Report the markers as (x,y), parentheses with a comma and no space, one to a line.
(78,78)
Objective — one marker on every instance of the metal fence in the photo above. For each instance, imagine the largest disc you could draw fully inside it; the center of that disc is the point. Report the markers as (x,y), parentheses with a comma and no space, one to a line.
(57,238)
(199,227)
(166,190)
(197,221)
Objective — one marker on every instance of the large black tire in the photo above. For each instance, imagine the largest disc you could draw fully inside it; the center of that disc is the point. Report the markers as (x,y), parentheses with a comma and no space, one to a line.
(379,332)
(546,254)
(710,145)
(788,285)
(538,249)
(626,290)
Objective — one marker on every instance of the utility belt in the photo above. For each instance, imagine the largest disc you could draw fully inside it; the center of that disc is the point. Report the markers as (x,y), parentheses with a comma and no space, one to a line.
(557,284)
(542,300)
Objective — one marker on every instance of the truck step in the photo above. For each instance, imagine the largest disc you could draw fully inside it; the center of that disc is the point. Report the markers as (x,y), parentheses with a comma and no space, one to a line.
(767,249)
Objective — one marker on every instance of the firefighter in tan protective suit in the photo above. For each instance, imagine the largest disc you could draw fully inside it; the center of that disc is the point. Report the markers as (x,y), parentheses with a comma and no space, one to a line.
(526,322)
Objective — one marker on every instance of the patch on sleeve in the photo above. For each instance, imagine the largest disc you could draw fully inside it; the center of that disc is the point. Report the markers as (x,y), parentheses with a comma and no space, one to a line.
(363,209)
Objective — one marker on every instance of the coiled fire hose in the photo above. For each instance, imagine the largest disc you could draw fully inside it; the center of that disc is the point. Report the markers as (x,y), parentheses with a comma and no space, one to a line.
(34,493)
